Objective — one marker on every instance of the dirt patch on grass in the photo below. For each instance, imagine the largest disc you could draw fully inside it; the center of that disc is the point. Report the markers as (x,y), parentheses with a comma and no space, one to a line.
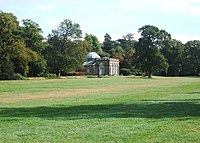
(49,95)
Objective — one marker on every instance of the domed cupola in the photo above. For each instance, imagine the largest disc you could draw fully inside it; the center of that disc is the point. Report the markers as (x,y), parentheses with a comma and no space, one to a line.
(92,55)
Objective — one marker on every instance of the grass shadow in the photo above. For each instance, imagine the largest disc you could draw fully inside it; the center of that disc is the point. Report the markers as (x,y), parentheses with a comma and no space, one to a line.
(138,110)
(194,93)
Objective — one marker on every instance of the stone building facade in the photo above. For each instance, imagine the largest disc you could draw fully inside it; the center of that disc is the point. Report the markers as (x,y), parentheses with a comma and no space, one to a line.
(96,65)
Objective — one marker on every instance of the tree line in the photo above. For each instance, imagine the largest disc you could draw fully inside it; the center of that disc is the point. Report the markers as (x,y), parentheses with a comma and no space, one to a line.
(25,52)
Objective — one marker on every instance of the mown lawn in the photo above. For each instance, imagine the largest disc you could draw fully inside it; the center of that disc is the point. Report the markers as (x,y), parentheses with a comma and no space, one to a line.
(112,109)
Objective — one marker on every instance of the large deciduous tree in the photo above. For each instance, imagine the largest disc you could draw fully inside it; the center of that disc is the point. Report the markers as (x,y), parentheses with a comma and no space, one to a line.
(94,42)
(113,48)
(32,36)
(174,53)
(14,56)
(192,57)
(108,43)
(149,57)
(128,45)
(65,51)
(8,24)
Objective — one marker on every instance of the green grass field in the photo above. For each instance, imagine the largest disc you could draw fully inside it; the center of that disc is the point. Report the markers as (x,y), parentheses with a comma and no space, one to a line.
(112,109)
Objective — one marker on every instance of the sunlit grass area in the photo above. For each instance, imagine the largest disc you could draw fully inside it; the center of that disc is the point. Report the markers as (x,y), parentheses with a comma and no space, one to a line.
(111,109)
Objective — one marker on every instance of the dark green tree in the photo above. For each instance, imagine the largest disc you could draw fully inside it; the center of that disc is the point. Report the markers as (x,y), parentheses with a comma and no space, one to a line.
(127,42)
(173,52)
(128,45)
(15,46)
(32,36)
(8,30)
(22,57)
(117,52)
(108,44)
(12,47)
(94,42)
(112,48)
(149,58)
(64,52)
(6,69)
(192,57)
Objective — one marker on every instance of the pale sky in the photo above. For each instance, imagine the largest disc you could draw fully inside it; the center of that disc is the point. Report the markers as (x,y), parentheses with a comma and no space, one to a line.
(181,18)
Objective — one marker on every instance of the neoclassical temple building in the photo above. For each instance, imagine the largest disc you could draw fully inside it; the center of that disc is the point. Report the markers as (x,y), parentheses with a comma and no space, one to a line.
(96,65)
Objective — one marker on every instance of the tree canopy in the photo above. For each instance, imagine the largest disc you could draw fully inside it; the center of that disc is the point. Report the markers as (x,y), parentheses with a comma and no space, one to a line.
(65,51)
(94,42)
(192,56)
(26,52)
(173,52)
(149,57)
(14,51)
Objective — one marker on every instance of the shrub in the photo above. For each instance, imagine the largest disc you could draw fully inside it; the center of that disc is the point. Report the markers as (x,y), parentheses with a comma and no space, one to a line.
(49,75)
(88,73)
(139,73)
(6,70)
(125,72)
(75,74)
(79,73)
(18,76)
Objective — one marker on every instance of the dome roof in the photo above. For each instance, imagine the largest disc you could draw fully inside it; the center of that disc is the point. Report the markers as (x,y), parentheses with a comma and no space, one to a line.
(93,55)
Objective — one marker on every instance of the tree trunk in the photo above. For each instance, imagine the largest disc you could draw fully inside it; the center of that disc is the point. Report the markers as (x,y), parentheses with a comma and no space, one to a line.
(59,73)
(198,70)
(149,73)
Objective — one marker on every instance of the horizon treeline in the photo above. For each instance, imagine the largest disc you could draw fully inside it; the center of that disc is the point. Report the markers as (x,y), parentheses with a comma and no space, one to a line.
(25,52)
